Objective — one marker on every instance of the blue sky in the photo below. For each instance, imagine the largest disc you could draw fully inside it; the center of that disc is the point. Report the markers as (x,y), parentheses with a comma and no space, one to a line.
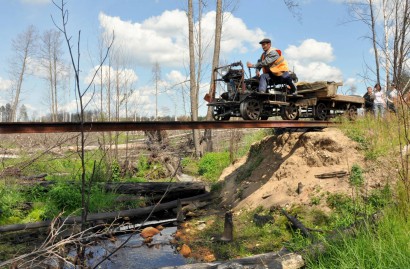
(321,45)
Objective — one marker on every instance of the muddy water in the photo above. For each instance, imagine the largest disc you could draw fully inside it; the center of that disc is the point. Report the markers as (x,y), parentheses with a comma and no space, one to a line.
(136,254)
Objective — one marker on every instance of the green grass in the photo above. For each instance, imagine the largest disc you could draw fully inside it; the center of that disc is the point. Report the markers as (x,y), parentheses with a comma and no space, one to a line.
(382,245)
(30,204)
(11,200)
(251,138)
(374,245)
(249,239)
(375,137)
(211,165)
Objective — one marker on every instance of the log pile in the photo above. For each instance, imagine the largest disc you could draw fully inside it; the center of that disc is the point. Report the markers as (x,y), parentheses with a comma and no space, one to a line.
(92,217)
(320,88)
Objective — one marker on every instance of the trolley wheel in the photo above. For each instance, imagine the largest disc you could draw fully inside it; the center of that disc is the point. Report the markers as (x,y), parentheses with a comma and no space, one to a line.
(217,113)
(351,113)
(250,109)
(321,111)
(290,112)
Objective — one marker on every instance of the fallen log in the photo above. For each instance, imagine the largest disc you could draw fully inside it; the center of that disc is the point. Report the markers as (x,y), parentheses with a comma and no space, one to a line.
(138,212)
(338,174)
(174,190)
(296,223)
(274,260)
(40,176)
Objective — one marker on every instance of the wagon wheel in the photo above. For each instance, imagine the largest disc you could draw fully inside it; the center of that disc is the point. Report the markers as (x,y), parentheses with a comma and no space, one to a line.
(290,112)
(217,113)
(321,111)
(351,113)
(250,109)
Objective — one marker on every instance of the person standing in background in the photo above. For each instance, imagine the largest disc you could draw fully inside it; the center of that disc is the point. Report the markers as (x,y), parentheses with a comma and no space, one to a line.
(379,101)
(368,100)
(391,98)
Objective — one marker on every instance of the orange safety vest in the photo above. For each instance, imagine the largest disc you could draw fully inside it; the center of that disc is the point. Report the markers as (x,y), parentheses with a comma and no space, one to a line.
(278,67)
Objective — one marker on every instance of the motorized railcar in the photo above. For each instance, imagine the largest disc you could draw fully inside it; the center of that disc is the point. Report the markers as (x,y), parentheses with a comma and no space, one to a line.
(316,100)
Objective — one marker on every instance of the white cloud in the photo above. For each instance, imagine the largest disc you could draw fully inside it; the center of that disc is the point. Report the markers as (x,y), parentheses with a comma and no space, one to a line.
(158,39)
(311,61)
(124,75)
(36,2)
(311,51)
(164,38)
(176,76)
(236,36)
(140,102)
(349,86)
(5,84)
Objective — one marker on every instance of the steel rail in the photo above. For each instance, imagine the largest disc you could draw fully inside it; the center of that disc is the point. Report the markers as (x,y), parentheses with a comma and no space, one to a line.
(60,127)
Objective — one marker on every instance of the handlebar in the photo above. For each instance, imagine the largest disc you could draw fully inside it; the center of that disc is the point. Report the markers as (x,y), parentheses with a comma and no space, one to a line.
(229,65)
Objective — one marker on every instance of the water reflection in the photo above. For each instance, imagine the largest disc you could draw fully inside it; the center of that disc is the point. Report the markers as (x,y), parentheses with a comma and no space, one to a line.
(136,254)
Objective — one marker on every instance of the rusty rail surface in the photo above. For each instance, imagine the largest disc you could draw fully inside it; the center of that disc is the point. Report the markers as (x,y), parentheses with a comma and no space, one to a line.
(60,127)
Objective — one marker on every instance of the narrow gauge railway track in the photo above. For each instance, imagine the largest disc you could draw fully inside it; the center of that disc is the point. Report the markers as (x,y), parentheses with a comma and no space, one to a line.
(61,127)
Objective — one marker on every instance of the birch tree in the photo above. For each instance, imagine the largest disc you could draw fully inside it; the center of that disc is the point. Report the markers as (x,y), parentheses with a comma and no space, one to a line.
(24,47)
(392,50)
(156,78)
(215,63)
(51,60)
(193,81)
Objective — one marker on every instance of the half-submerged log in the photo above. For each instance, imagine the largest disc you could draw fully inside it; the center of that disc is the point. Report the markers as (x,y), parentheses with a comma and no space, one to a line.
(138,212)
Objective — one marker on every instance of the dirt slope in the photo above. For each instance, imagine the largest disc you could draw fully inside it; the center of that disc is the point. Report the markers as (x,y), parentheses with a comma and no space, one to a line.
(274,168)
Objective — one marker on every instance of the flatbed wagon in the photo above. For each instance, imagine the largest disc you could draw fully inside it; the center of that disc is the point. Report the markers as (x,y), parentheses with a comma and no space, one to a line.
(320,101)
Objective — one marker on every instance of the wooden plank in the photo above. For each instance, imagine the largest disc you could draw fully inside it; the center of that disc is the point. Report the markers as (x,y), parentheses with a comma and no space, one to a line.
(278,103)
(348,99)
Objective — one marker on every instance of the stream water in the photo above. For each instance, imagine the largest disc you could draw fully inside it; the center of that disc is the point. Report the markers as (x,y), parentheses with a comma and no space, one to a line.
(136,254)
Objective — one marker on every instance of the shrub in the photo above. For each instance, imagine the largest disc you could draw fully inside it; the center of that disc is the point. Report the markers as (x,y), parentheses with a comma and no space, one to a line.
(380,197)
(115,171)
(212,164)
(10,199)
(65,197)
(356,176)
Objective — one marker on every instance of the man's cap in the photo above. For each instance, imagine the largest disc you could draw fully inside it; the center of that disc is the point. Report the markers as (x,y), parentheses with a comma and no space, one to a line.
(265,40)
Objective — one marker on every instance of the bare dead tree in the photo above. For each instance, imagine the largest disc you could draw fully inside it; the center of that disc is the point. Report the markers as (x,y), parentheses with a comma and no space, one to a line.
(401,44)
(376,54)
(193,82)
(215,63)
(50,57)
(365,12)
(24,47)
(156,77)
(75,62)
